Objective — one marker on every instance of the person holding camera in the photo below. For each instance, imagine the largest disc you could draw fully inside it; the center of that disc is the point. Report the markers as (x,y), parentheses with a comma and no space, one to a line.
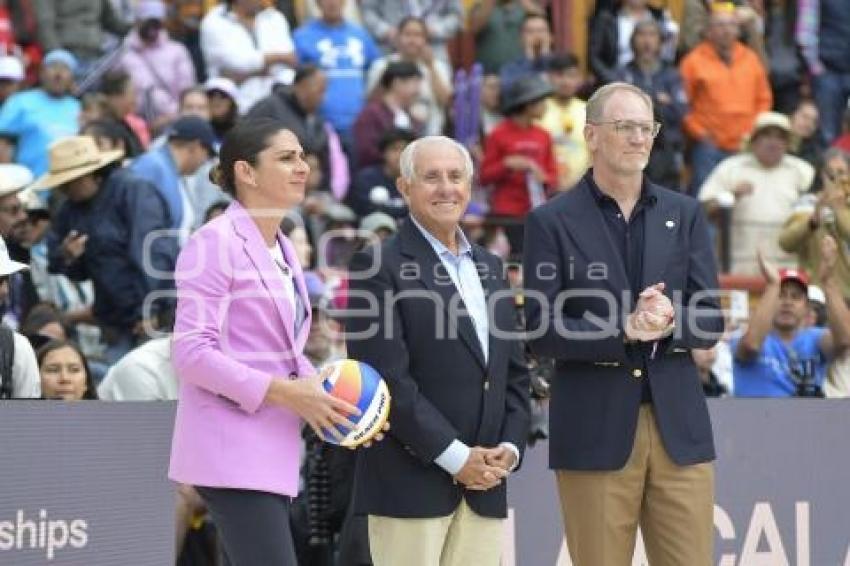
(778,355)
(820,214)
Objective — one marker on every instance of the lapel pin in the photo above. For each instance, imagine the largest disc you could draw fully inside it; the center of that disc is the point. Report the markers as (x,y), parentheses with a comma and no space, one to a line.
(670,224)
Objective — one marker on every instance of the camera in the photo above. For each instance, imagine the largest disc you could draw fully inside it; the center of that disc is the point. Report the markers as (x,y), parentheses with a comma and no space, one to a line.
(541,371)
(803,374)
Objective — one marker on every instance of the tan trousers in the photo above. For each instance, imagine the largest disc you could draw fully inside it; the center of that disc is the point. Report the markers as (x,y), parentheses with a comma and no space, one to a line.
(674,506)
(460,539)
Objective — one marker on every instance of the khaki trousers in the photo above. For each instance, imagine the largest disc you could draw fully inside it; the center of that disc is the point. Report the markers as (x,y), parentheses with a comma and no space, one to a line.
(674,506)
(463,538)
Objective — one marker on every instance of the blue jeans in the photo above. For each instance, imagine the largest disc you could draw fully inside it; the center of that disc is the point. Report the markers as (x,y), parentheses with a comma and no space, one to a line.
(704,158)
(831,92)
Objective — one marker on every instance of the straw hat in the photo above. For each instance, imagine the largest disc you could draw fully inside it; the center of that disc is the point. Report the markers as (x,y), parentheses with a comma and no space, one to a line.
(71,158)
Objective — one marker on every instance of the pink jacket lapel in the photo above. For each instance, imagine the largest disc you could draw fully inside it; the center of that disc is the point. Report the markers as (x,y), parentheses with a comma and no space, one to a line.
(268,273)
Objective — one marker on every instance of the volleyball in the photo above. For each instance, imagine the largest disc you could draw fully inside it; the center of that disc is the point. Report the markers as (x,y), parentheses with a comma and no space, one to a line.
(359,384)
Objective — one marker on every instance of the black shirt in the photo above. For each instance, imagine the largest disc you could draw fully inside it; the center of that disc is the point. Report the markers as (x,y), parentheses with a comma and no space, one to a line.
(628,237)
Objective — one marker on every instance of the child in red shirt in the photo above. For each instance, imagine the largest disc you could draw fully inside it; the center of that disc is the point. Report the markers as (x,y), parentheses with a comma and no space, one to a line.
(519,161)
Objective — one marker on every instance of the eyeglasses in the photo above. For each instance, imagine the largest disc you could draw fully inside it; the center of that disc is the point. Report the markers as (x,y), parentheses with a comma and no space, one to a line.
(12,209)
(628,128)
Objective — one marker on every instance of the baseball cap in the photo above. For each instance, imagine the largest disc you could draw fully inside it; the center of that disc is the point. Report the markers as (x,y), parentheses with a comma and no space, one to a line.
(798,275)
(378,221)
(337,212)
(62,56)
(11,68)
(771,120)
(191,128)
(150,10)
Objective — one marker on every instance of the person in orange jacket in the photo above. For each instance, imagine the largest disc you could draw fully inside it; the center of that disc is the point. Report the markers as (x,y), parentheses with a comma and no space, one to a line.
(727,87)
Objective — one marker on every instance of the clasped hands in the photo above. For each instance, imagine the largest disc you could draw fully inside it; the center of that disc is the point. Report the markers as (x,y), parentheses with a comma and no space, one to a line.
(653,318)
(486,467)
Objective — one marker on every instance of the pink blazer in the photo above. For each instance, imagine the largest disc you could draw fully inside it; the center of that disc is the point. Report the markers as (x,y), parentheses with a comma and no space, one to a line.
(234,331)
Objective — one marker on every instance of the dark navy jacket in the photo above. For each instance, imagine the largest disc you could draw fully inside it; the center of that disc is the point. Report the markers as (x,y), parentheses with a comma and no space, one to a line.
(117,220)
(581,288)
(442,389)
(834,38)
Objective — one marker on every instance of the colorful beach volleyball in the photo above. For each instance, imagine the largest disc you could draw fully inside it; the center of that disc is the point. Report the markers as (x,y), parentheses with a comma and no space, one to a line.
(359,384)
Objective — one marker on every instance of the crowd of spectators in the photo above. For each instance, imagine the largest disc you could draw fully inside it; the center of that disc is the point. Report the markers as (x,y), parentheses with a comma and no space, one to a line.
(111,113)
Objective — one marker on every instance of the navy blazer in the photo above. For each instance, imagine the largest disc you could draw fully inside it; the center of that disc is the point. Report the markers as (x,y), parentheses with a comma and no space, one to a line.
(441,387)
(596,391)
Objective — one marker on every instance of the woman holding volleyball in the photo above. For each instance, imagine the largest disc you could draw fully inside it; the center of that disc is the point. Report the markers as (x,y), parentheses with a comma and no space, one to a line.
(243,317)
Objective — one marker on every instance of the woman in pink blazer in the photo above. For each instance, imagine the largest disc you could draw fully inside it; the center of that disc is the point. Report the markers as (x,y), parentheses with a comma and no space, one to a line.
(242,319)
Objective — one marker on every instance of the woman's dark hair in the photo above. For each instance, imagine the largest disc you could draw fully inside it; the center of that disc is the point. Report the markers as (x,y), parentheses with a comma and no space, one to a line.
(244,142)
(644,24)
(95,100)
(91,390)
(109,129)
(410,19)
(291,221)
(397,71)
(394,135)
(132,144)
(221,125)
(216,207)
(114,83)
(39,316)
(562,61)
(304,72)
(288,225)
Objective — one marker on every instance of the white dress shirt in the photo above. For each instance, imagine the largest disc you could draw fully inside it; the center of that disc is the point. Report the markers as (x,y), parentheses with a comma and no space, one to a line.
(461,268)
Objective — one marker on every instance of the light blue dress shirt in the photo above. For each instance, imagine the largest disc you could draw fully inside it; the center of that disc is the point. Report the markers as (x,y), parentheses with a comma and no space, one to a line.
(464,275)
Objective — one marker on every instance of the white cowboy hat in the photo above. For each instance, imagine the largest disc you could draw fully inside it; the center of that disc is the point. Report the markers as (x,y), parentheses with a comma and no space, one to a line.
(13,178)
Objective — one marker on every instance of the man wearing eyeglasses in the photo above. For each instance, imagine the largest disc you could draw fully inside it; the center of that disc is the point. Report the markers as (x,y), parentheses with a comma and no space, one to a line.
(21,293)
(621,266)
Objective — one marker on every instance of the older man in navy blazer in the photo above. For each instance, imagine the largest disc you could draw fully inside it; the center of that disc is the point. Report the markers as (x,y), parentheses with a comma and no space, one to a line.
(439,332)
(624,274)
